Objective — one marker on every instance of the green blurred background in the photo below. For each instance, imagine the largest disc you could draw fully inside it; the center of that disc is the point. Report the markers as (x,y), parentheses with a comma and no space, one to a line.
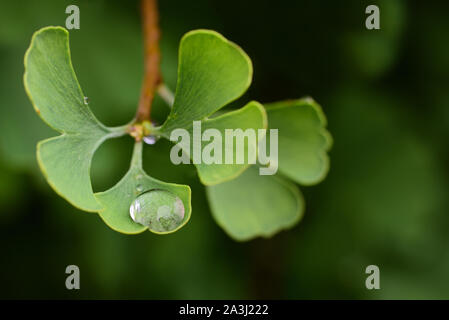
(385,201)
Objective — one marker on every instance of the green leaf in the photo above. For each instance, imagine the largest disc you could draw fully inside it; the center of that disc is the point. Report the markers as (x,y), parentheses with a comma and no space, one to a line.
(212,72)
(65,162)
(117,200)
(253,205)
(51,83)
(53,89)
(252,116)
(303,139)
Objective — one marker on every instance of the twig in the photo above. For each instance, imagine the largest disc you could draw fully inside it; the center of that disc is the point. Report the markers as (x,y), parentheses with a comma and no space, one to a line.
(152,77)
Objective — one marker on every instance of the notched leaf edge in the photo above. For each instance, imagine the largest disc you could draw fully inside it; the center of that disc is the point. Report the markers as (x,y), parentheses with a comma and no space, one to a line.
(104,132)
(163,129)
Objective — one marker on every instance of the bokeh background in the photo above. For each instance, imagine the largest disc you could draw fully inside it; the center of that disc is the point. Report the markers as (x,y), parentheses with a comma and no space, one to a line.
(385,201)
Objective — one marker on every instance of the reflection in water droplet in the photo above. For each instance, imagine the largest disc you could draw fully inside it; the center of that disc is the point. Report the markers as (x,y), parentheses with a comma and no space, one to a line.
(159,210)
(150,139)
(86,100)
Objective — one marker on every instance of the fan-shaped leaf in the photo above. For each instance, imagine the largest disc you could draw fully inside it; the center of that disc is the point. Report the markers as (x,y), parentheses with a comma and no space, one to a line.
(51,84)
(212,72)
(117,200)
(303,139)
(253,205)
(253,117)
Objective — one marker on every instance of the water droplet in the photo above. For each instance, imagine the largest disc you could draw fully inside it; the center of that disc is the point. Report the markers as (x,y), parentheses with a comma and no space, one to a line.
(159,210)
(139,188)
(150,139)
(86,100)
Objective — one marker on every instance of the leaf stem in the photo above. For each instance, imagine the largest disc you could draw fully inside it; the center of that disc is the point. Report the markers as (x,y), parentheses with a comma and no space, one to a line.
(136,161)
(116,132)
(166,94)
(152,76)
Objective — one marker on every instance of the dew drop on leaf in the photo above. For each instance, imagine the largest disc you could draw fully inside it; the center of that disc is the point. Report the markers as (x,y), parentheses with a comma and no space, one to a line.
(86,100)
(150,139)
(159,210)
(139,188)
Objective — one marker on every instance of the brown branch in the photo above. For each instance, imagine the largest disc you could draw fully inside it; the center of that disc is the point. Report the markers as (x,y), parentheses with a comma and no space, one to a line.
(152,77)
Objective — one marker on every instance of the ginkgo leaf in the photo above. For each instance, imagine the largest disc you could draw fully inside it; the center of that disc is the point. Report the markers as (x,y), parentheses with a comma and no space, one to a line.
(253,117)
(303,139)
(262,205)
(65,162)
(212,72)
(253,205)
(53,89)
(117,201)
